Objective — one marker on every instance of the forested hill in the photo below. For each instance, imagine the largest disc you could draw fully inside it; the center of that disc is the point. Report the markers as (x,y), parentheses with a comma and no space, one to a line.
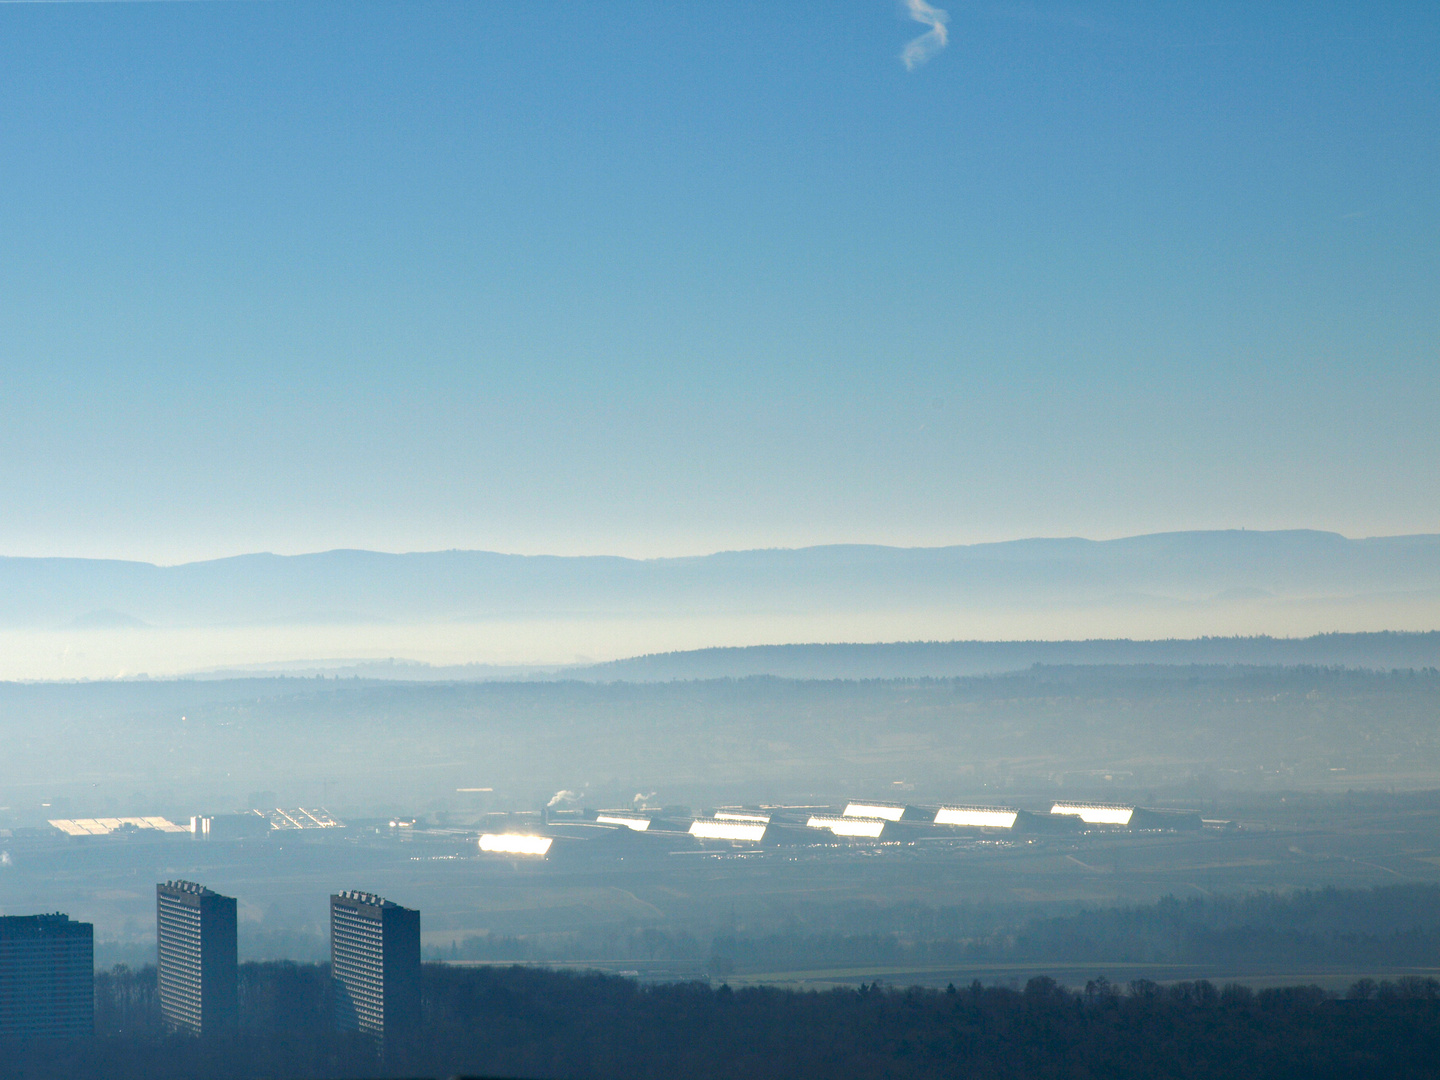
(526,1022)
(948,659)
(1394,929)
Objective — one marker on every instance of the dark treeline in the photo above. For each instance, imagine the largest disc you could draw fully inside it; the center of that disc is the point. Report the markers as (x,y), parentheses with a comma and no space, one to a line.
(529,1022)
(278,996)
(1393,926)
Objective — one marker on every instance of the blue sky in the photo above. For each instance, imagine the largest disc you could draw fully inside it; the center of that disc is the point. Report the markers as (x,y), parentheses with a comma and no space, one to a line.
(659,278)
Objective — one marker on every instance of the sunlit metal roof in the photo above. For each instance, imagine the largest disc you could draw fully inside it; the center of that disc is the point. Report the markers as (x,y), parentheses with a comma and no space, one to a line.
(982,816)
(741,815)
(105,826)
(515,843)
(848,826)
(639,824)
(1095,813)
(727,830)
(300,818)
(887,811)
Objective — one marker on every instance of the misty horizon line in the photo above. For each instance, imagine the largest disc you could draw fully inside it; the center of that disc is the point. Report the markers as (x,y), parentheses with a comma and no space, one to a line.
(711,552)
(630,668)
(85,617)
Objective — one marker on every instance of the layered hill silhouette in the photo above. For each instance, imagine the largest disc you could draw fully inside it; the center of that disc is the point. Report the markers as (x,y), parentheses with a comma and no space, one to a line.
(343,587)
(950,659)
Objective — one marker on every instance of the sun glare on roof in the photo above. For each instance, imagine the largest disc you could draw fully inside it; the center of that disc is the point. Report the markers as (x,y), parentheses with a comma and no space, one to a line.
(515,844)
(848,826)
(727,830)
(741,815)
(639,824)
(984,817)
(874,810)
(1095,813)
(106,826)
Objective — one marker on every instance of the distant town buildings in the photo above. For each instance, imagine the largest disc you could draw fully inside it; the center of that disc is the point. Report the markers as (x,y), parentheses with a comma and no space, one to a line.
(197,960)
(235,826)
(250,823)
(47,977)
(375,962)
(108,825)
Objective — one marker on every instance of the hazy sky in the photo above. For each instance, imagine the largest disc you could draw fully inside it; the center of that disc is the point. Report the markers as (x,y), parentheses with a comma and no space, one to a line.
(655,278)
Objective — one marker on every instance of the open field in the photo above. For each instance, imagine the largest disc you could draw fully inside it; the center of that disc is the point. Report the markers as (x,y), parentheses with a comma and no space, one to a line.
(1190,735)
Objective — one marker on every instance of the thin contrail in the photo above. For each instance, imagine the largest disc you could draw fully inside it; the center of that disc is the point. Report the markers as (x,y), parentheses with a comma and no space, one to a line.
(930,42)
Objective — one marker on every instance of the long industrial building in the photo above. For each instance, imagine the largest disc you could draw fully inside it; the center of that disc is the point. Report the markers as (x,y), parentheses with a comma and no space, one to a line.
(197,962)
(1096,813)
(375,961)
(47,977)
(981,817)
(719,828)
(850,825)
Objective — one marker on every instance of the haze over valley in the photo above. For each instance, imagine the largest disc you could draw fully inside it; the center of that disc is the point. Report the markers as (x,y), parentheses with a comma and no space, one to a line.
(638,541)
(78,618)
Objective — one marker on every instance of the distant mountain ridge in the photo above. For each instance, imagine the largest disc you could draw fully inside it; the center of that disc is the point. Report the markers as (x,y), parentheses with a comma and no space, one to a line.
(345,586)
(952,659)
(1382,651)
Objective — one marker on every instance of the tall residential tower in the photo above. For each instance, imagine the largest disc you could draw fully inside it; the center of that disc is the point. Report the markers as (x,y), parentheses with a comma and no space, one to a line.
(195,933)
(47,977)
(375,961)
